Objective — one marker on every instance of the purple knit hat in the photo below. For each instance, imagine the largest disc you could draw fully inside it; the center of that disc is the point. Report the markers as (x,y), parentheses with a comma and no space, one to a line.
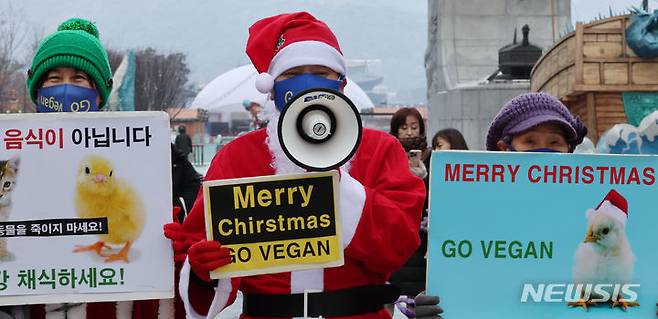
(529,110)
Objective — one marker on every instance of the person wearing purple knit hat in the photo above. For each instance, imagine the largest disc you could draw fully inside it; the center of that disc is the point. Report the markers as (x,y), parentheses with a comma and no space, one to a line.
(535,122)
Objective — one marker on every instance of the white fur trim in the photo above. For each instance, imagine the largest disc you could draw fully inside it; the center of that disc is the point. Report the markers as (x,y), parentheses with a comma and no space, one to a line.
(166,309)
(352,201)
(306,279)
(610,210)
(222,292)
(280,162)
(124,309)
(307,53)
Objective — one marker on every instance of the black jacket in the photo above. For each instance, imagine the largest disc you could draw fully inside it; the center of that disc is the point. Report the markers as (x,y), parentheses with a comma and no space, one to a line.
(184,143)
(186,181)
(411,277)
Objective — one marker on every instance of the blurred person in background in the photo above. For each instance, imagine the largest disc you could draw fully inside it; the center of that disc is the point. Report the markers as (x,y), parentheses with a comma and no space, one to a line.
(408,127)
(183,141)
(448,139)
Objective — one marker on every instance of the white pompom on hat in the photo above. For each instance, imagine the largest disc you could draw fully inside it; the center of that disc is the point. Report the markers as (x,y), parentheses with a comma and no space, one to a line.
(285,41)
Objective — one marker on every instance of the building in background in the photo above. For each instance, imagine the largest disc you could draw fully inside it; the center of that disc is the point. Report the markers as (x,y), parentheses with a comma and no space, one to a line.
(379,117)
(194,120)
(464,39)
(371,83)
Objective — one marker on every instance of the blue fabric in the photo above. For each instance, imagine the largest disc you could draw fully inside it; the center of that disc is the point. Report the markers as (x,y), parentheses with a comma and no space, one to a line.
(127,89)
(66,98)
(642,34)
(638,105)
(285,90)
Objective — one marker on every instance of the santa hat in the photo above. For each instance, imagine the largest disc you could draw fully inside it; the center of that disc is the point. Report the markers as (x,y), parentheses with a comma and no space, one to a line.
(613,205)
(285,41)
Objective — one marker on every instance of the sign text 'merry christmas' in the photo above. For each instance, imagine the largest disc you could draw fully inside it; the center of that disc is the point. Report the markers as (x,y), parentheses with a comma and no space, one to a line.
(275,223)
(265,197)
(549,174)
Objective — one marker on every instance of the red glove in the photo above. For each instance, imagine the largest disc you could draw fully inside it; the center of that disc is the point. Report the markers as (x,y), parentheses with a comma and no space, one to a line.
(206,256)
(181,240)
(174,231)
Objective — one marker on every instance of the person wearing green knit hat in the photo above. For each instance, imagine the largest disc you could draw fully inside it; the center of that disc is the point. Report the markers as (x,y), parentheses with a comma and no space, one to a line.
(70,71)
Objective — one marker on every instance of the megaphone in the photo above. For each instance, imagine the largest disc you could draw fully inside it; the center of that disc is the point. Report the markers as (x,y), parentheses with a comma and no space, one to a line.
(319,129)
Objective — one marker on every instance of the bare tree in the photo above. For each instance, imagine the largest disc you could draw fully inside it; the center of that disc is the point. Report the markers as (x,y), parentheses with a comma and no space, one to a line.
(115,57)
(36,35)
(160,80)
(12,35)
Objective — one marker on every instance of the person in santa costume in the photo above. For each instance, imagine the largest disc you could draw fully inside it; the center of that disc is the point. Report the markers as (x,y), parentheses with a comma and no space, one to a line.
(380,200)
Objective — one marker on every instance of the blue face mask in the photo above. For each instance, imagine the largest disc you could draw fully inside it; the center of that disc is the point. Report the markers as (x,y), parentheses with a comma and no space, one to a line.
(66,98)
(285,90)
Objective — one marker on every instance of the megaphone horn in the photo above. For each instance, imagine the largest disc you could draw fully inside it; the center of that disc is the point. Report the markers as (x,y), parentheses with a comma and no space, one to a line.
(319,129)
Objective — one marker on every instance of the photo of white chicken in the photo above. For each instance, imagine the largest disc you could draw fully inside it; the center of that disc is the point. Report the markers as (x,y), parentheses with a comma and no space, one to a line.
(605,255)
(99,193)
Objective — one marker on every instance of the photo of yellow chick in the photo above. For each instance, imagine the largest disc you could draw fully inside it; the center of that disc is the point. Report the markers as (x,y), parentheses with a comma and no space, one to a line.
(99,193)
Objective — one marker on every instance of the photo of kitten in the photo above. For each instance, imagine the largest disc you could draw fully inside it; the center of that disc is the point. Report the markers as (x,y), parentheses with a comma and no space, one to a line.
(8,174)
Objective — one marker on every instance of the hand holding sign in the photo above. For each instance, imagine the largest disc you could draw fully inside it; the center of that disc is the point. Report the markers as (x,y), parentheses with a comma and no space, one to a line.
(206,256)
(181,240)
(427,307)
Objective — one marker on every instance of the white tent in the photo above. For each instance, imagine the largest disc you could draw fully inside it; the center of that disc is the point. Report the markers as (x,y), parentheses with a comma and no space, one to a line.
(225,93)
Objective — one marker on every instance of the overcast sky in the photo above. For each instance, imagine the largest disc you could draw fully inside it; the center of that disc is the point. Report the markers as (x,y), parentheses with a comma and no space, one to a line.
(585,10)
(213,33)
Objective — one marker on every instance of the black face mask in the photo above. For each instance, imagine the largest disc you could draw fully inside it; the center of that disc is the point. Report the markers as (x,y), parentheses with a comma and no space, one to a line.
(414,143)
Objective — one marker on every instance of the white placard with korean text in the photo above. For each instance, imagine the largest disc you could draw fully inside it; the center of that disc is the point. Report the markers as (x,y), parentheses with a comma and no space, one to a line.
(83,200)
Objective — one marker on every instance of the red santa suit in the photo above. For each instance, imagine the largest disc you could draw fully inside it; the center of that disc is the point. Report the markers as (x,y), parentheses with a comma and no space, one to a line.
(380,205)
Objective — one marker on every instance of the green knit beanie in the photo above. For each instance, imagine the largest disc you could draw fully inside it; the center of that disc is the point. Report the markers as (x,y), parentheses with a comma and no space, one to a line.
(75,44)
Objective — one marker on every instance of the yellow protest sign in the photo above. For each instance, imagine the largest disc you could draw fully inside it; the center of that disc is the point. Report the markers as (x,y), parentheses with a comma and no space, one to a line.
(275,223)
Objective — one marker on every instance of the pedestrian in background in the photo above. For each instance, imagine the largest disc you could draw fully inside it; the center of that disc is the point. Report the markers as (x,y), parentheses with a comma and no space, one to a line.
(408,127)
(535,122)
(183,142)
(448,139)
